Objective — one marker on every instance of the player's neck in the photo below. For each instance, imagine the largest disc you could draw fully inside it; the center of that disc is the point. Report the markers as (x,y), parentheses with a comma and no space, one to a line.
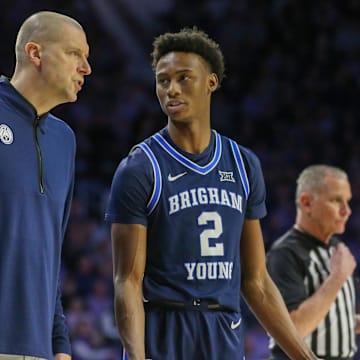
(189,138)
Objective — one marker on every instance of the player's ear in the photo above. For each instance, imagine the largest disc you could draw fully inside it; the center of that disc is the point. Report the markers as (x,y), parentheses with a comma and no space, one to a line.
(213,82)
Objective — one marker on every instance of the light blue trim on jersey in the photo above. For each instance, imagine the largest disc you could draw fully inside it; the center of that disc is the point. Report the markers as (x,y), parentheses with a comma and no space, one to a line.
(155,196)
(241,167)
(203,170)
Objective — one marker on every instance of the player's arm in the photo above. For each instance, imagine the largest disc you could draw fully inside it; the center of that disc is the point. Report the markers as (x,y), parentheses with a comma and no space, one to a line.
(264,298)
(129,255)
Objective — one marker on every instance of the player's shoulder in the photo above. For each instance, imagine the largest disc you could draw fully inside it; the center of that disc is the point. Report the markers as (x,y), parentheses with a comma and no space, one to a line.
(137,161)
(249,156)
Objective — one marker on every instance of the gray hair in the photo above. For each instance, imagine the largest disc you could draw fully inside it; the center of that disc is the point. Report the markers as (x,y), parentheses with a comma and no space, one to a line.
(312,178)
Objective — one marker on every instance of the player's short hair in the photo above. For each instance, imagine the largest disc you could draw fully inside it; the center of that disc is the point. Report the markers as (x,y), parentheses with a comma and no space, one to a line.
(312,178)
(190,40)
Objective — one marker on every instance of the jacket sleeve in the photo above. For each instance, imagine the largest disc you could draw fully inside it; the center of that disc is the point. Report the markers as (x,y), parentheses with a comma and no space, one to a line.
(60,334)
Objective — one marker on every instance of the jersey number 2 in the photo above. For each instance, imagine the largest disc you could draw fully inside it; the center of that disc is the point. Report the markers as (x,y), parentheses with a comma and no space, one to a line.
(206,249)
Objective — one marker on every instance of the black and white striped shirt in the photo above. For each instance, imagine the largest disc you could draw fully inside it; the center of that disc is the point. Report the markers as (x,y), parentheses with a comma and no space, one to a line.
(299,263)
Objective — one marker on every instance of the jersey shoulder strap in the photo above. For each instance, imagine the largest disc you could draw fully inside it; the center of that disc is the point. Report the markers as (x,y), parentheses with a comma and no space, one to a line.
(241,167)
(157,185)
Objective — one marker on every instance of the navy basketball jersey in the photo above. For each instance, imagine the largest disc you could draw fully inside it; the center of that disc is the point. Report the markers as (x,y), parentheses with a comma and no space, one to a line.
(194,206)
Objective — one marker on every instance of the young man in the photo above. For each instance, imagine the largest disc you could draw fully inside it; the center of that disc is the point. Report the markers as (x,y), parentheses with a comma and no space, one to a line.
(185,208)
(313,268)
(37,151)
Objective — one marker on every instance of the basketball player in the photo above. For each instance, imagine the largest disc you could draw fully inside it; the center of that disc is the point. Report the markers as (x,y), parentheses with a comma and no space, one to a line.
(185,208)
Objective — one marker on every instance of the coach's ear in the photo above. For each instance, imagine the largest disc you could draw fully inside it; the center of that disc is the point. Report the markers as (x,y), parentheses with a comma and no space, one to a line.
(33,52)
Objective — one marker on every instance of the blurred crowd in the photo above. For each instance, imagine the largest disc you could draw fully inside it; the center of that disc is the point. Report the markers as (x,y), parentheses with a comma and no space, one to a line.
(290,94)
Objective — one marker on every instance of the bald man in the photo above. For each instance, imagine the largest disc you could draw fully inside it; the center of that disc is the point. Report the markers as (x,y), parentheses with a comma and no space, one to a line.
(37,151)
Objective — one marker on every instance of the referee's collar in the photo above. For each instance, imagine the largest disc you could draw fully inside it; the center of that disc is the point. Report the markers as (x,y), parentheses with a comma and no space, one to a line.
(309,237)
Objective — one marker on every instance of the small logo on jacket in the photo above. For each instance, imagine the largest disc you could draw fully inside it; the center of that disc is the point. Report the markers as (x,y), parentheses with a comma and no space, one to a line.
(6,134)
(175,177)
(235,325)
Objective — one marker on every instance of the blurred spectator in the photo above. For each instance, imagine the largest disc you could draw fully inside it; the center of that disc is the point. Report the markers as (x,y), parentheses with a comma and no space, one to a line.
(89,344)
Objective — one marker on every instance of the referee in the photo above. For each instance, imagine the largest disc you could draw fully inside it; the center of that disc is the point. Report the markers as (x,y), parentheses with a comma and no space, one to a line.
(313,268)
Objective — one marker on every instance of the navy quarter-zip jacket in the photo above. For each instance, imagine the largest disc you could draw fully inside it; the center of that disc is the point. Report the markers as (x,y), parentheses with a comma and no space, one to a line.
(36,185)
